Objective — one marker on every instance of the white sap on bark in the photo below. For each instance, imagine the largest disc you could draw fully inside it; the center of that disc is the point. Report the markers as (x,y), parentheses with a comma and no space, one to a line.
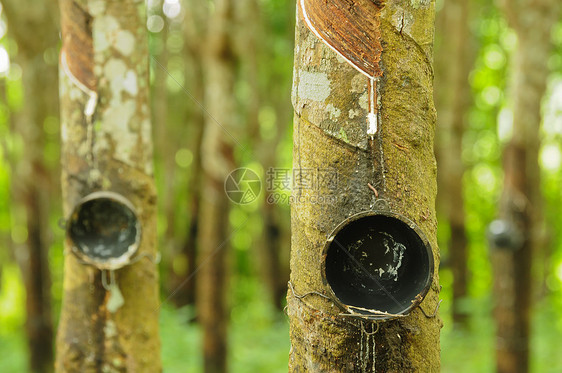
(106,145)
(322,340)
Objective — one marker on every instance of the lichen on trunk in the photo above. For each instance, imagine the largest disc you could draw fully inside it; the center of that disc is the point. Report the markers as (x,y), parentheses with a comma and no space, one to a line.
(331,101)
(106,145)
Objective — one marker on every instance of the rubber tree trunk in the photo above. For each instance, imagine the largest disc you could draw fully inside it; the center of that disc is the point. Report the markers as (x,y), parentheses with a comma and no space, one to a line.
(7,255)
(217,159)
(32,180)
(453,95)
(331,101)
(190,246)
(107,145)
(520,201)
(184,283)
(269,250)
(165,145)
(187,281)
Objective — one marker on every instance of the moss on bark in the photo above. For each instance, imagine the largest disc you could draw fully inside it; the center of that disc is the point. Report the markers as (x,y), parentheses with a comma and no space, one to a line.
(106,145)
(330,99)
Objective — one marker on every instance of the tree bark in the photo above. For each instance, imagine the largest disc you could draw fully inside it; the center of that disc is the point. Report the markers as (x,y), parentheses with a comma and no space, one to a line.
(217,159)
(520,201)
(184,284)
(269,250)
(331,104)
(165,146)
(106,145)
(453,63)
(32,181)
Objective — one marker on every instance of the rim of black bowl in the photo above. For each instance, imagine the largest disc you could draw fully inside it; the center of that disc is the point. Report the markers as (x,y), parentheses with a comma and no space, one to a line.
(111,263)
(373,313)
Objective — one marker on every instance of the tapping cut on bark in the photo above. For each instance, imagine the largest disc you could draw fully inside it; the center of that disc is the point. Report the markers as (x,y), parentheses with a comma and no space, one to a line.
(107,146)
(76,30)
(350,27)
(331,102)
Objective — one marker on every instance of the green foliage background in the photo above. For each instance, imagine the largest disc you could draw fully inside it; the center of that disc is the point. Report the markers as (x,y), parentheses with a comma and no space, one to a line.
(259,339)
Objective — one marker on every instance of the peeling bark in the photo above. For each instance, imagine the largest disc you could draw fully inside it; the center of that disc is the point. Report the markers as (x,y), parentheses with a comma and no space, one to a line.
(107,145)
(330,99)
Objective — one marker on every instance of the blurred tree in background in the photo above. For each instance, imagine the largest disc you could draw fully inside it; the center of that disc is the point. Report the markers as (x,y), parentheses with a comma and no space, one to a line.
(217,160)
(483,115)
(109,315)
(453,61)
(34,179)
(520,205)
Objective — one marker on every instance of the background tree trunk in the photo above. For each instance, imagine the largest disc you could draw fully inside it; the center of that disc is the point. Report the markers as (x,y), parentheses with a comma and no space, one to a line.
(165,144)
(520,200)
(184,284)
(106,139)
(217,159)
(331,103)
(32,185)
(454,60)
(272,245)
